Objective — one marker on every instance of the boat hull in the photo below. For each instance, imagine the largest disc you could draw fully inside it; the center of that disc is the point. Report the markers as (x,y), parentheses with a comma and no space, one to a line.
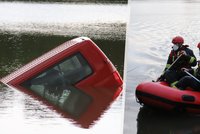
(160,95)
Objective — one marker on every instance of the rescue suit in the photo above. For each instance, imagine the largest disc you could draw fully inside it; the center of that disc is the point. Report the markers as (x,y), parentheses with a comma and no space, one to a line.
(188,81)
(187,60)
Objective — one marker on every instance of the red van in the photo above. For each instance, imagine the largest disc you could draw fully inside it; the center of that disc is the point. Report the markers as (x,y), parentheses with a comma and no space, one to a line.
(76,77)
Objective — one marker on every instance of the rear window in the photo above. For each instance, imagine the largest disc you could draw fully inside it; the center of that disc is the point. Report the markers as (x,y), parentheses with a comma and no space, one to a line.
(56,84)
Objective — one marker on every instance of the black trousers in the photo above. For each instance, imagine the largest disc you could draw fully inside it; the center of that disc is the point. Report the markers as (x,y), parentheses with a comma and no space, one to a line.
(171,76)
(188,81)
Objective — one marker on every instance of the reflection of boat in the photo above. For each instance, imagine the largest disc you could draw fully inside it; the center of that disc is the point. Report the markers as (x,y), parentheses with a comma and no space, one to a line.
(150,121)
(160,95)
(76,77)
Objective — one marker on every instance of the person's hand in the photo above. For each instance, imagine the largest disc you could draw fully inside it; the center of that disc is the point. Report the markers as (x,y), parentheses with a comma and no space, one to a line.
(198,62)
(184,69)
(182,52)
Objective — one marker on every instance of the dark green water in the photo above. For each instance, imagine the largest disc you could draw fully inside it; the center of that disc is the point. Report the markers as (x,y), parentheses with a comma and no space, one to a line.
(18,49)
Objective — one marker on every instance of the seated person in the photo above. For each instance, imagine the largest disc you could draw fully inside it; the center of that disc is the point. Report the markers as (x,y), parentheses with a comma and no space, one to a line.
(186,59)
(189,81)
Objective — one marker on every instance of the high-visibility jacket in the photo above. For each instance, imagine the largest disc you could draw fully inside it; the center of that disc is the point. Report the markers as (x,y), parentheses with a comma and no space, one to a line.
(188,60)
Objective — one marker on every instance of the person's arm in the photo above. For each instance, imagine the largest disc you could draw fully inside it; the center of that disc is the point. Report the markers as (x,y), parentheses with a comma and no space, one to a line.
(191,58)
(191,71)
(169,62)
(197,73)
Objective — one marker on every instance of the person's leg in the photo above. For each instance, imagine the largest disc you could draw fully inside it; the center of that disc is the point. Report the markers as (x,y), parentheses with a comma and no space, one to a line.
(185,82)
(171,77)
(195,85)
(181,74)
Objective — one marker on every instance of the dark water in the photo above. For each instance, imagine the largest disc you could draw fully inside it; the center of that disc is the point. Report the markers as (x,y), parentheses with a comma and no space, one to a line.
(27,30)
(152,26)
(23,48)
(159,122)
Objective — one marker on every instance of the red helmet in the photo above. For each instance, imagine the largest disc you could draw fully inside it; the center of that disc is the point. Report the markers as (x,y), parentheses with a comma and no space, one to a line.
(198,45)
(178,40)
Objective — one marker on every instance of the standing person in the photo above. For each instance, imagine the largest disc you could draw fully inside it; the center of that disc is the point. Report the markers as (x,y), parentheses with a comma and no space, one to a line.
(189,81)
(187,60)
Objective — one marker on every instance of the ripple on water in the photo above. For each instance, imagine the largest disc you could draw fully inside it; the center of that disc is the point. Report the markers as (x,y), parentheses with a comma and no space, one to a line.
(152,26)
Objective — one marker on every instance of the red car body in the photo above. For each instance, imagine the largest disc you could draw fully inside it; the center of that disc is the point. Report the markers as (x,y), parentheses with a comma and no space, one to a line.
(92,80)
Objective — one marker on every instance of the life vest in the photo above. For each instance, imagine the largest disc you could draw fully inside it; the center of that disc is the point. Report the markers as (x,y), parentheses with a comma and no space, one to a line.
(183,61)
(175,54)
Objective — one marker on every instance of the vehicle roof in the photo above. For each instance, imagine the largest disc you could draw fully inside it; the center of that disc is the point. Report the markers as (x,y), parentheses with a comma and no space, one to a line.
(42,59)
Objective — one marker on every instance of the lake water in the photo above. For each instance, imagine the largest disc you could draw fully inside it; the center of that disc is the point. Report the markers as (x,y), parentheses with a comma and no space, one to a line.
(151,27)
(27,30)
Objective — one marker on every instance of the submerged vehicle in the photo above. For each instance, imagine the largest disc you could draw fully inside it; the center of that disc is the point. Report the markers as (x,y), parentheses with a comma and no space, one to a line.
(161,95)
(76,77)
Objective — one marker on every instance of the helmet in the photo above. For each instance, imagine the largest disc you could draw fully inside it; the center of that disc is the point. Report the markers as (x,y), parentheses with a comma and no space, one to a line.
(198,45)
(178,40)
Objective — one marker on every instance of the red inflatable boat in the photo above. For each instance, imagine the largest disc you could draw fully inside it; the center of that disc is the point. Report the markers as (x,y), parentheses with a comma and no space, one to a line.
(160,95)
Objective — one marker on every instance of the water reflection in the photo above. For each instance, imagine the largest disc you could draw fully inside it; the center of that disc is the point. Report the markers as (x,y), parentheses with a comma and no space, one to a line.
(4,96)
(160,122)
(99,21)
(23,111)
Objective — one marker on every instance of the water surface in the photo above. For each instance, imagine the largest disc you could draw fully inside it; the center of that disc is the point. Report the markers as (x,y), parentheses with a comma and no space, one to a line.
(151,27)
(20,113)
(27,30)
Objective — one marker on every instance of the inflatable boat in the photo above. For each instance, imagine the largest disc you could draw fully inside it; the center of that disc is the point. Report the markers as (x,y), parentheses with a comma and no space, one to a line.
(160,95)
